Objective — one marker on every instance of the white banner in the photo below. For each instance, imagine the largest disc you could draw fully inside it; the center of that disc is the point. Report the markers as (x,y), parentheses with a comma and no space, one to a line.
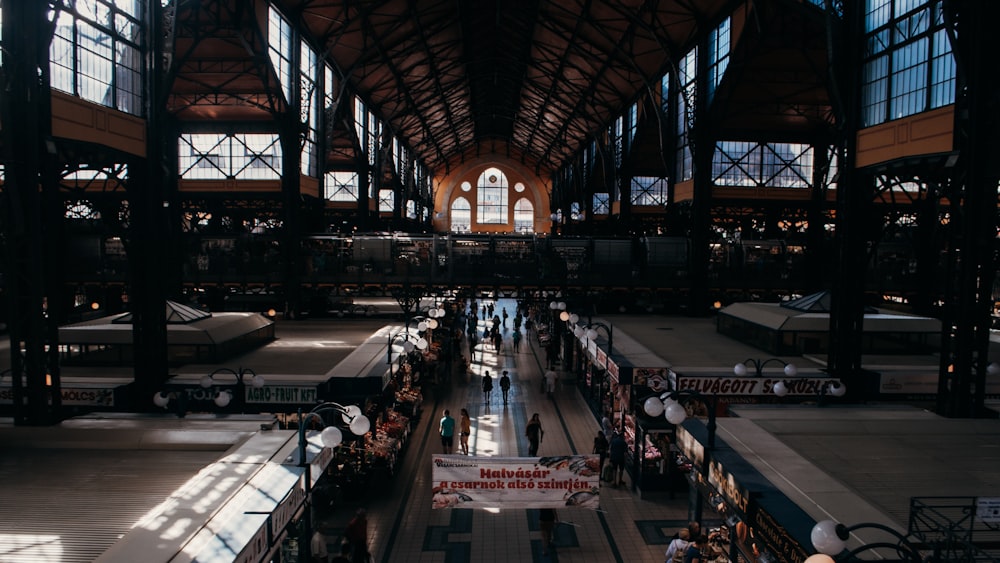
(516,482)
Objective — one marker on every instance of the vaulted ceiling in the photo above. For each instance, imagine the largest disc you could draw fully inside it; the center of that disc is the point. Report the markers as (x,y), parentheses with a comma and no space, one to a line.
(534,80)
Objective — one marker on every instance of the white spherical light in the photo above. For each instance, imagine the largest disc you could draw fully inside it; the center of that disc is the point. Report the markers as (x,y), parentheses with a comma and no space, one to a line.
(223,398)
(819,558)
(161,399)
(257,381)
(825,538)
(780,389)
(360,425)
(838,389)
(740,370)
(653,406)
(791,370)
(352,412)
(574,318)
(432,324)
(331,436)
(675,413)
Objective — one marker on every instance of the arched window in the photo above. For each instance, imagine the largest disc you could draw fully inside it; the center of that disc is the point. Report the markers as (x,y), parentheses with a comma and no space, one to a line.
(524,216)
(491,196)
(461,216)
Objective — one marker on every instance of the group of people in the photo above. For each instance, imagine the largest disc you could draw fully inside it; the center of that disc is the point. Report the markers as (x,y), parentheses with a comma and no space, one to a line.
(488,386)
(612,452)
(353,548)
(690,545)
(446,428)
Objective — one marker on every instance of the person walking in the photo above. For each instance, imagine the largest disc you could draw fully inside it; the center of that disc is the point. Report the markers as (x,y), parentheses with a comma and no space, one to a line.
(678,547)
(357,534)
(550,383)
(487,386)
(516,338)
(447,429)
(616,453)
(534,433)
(695,552)
(318,549)
(601,446)
(504,315)
(465,425)
(505,385)
(547,519)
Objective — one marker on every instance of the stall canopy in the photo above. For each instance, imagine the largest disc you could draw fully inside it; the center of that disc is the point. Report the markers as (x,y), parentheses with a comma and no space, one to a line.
(192,335)
(366,370)
(801,326)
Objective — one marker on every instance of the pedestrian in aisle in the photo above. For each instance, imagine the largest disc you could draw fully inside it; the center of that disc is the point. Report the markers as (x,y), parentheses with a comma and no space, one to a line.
(616,453)
(357,534)
(487,386)
(447,429)
(547,519)
(465,425)
(550,383)
(601,446)
(517,340)
(534,433)
(318,549)
(505,385)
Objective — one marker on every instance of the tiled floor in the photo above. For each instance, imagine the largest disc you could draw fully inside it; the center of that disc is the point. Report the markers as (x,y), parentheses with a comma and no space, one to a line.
(404,527)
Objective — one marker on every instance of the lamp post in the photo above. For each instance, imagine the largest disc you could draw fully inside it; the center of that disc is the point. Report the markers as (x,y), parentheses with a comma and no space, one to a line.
(740,369)
(590,330)
(224,397)
(668,404)
(559,313)
(830,539)
(407,346)
(331,436)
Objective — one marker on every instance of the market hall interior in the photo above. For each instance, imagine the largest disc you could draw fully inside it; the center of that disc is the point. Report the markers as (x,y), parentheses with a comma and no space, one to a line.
(634,523)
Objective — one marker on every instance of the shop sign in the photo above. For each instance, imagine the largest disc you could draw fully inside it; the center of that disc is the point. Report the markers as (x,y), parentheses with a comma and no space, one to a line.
(286,510)
(613,371)
(516,482)
(988,510)
(276,394)
(255,550)
(75,396)
(754,386)
(776,537)
(602,361)
(657,380)
(764,526)
(690,447)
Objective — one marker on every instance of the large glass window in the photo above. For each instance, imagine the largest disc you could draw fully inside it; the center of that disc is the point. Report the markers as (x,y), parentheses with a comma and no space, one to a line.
(649,190)
(718,52)
(386,201)
(687,73)
(602,203)
(755,165)
(279,42)
(524,216)
(461,216)
(241,156)
(491,197)
(309,101)
(909,66)
(341,186)
(96,52)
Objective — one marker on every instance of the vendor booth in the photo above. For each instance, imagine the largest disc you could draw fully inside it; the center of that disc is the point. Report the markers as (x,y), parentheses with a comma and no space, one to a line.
(756,521)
